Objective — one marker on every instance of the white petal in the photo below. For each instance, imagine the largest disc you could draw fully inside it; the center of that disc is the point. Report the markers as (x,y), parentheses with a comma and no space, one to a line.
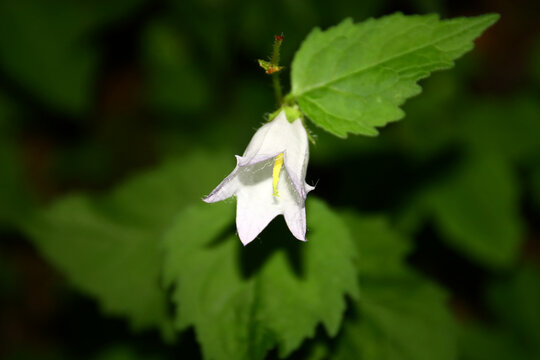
(297,157)
(280,136)
(252,218)
(292,207)
(227,188)
(295,217)
(272,138)
(257,158)
(256,141)
(256,206)
(251,180)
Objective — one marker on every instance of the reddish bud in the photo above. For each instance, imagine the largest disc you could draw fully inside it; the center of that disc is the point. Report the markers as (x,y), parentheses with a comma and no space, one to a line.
(279,37)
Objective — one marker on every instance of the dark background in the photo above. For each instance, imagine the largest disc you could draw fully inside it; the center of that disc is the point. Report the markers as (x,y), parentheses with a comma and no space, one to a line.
(92,92)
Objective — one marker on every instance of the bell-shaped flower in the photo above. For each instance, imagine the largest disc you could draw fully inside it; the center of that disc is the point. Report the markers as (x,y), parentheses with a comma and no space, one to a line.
(269,179)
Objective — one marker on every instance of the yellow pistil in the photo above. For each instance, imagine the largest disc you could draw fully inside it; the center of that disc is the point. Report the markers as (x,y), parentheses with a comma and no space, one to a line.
(275,173)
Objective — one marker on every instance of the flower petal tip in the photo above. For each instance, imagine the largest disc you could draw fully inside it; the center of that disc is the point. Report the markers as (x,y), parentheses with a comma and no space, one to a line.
(244,241)
(303,238)
(208,199)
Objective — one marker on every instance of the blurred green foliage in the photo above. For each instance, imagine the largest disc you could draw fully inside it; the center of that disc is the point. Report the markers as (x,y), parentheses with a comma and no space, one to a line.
(77,233)
(400,313)
(92,92)
(515,329)
(245,301)
(16,198)
(176,85)
(47,47)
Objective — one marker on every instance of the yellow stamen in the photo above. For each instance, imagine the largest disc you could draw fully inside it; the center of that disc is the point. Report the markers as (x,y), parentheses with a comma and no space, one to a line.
(275,173)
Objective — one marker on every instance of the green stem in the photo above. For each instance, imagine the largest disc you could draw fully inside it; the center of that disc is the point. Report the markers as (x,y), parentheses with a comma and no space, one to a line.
(277,89)
(275,52)
(275,77)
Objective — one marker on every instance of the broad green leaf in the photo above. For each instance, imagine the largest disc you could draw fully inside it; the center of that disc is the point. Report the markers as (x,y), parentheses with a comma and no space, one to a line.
(242,301)
(114,262)
(475,202)
(400,315)
(477,210)
(46,47)
(109,248)
(401,318)
(381,249)
(353,78)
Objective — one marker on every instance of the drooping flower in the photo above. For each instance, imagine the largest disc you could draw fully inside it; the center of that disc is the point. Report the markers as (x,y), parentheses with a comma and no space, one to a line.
(269,179)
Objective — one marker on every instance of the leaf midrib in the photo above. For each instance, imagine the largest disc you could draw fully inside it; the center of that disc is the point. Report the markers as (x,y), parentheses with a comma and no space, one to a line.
(368,67)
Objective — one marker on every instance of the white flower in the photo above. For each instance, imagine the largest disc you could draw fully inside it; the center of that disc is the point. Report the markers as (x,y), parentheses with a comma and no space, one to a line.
(269,180)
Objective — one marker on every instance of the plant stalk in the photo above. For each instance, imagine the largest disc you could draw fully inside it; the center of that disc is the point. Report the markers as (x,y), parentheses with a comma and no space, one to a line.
(278,39)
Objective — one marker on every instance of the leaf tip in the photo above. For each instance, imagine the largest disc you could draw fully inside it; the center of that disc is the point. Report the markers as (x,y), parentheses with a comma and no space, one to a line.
(489,19)
(493,17)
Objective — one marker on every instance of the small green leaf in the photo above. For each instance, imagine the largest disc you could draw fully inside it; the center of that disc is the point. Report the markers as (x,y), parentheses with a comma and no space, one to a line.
(243,301)
(354,77)
(109,248)
(264,64)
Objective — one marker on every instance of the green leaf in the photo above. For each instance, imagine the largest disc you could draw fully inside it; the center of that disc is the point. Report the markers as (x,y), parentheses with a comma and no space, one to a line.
(381,249)
(109,248)
(403,318)
(114,262)
(400,314)
(353,77)
(476,204)
(244,301)
(477,210)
